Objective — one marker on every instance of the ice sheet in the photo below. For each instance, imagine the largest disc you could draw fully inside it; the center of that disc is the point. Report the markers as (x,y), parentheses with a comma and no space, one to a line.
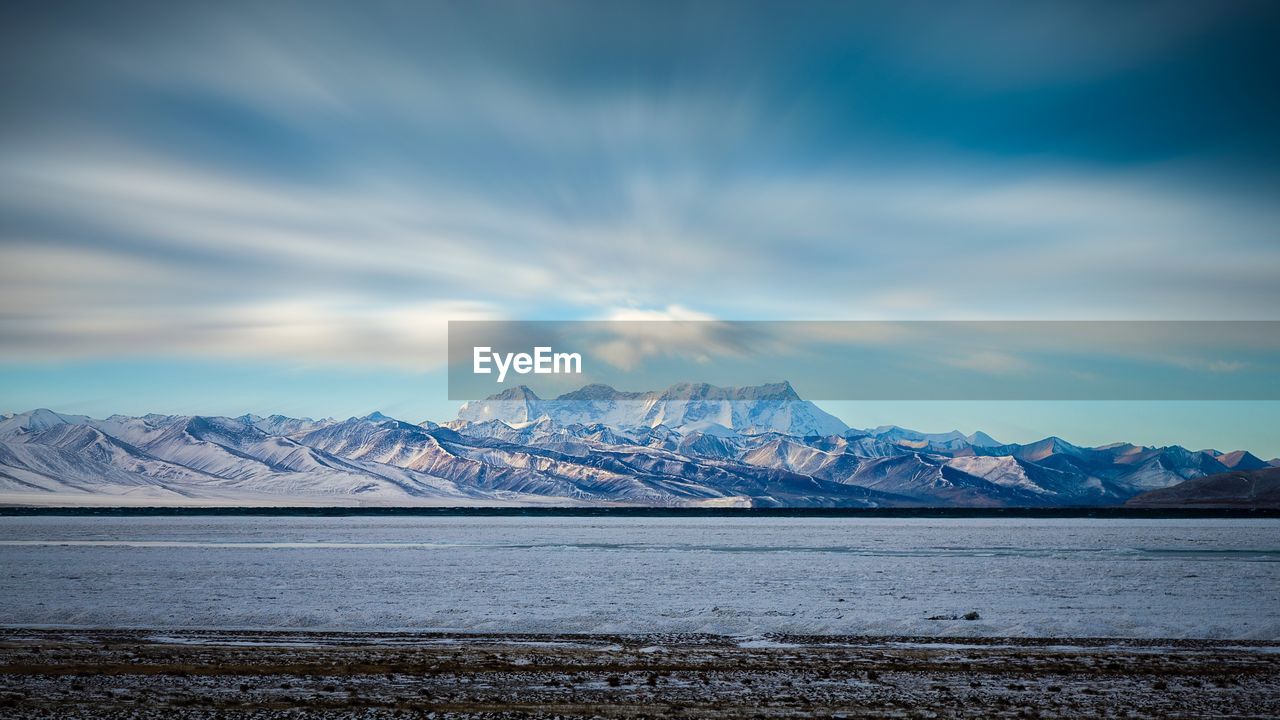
(736,576)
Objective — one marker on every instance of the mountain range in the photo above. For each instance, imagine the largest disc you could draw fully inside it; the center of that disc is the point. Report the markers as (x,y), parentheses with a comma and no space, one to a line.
(689,445)
(1258,488)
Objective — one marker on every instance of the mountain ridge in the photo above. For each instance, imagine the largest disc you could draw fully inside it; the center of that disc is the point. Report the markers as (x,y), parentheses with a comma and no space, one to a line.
(691,406)
(1252,488)
(689,445)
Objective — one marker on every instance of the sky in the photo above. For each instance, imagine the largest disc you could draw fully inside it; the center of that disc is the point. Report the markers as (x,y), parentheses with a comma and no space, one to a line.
(276,207)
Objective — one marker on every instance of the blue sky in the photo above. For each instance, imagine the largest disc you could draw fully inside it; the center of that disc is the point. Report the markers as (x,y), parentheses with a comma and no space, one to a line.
(278,206)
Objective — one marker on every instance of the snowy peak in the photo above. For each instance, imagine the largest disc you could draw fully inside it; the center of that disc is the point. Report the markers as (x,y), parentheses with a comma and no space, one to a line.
(284,425)
(948,441)
(220,430)
(687,445)
(1047,447)
(513,406)
(685,407)
(517,393)
(35,421)
(769,392)
(981,439)
(598,391)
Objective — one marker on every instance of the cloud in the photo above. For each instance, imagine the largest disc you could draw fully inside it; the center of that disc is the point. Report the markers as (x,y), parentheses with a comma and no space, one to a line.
(669,313)
(1203,364)
(127,241)
(337,179)
(992,362)
(1045,43)
(302,331)
(630,336)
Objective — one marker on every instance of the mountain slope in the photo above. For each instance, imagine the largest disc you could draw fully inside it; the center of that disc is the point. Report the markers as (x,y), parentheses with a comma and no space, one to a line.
(1239,488)
(686,406)
(688,445)
(1242,460)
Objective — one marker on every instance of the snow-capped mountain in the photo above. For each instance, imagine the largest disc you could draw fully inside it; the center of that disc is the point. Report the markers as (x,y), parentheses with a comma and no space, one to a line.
(684,407)
(15,426)
(953,440)
(283,425)
(688,445)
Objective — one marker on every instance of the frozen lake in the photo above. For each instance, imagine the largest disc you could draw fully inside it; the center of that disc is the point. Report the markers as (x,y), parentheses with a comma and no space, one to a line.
(1137,578)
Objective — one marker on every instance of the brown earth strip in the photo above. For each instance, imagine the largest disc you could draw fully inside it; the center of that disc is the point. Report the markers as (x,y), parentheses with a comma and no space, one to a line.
(137,674)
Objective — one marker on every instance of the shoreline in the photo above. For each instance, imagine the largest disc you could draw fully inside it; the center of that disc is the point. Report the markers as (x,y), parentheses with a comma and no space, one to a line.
(319,637)
(184,673)
(1191,512)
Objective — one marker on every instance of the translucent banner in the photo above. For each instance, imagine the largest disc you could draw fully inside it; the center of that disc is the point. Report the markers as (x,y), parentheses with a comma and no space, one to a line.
(857,360)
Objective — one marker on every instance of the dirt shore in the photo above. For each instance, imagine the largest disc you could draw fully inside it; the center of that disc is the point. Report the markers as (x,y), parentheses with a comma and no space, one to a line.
(145,674)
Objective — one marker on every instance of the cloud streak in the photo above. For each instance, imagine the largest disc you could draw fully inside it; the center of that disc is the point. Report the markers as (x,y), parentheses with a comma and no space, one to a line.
(309,183)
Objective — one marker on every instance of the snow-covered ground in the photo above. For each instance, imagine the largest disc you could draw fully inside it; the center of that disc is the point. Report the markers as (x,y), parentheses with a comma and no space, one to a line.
(738,576)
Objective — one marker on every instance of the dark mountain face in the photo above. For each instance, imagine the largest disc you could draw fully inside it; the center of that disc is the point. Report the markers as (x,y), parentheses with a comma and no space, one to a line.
(1242,460)
(1258,488)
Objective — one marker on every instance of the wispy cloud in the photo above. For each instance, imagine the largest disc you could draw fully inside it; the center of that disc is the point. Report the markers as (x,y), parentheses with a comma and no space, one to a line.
(992,362)
(323,185)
